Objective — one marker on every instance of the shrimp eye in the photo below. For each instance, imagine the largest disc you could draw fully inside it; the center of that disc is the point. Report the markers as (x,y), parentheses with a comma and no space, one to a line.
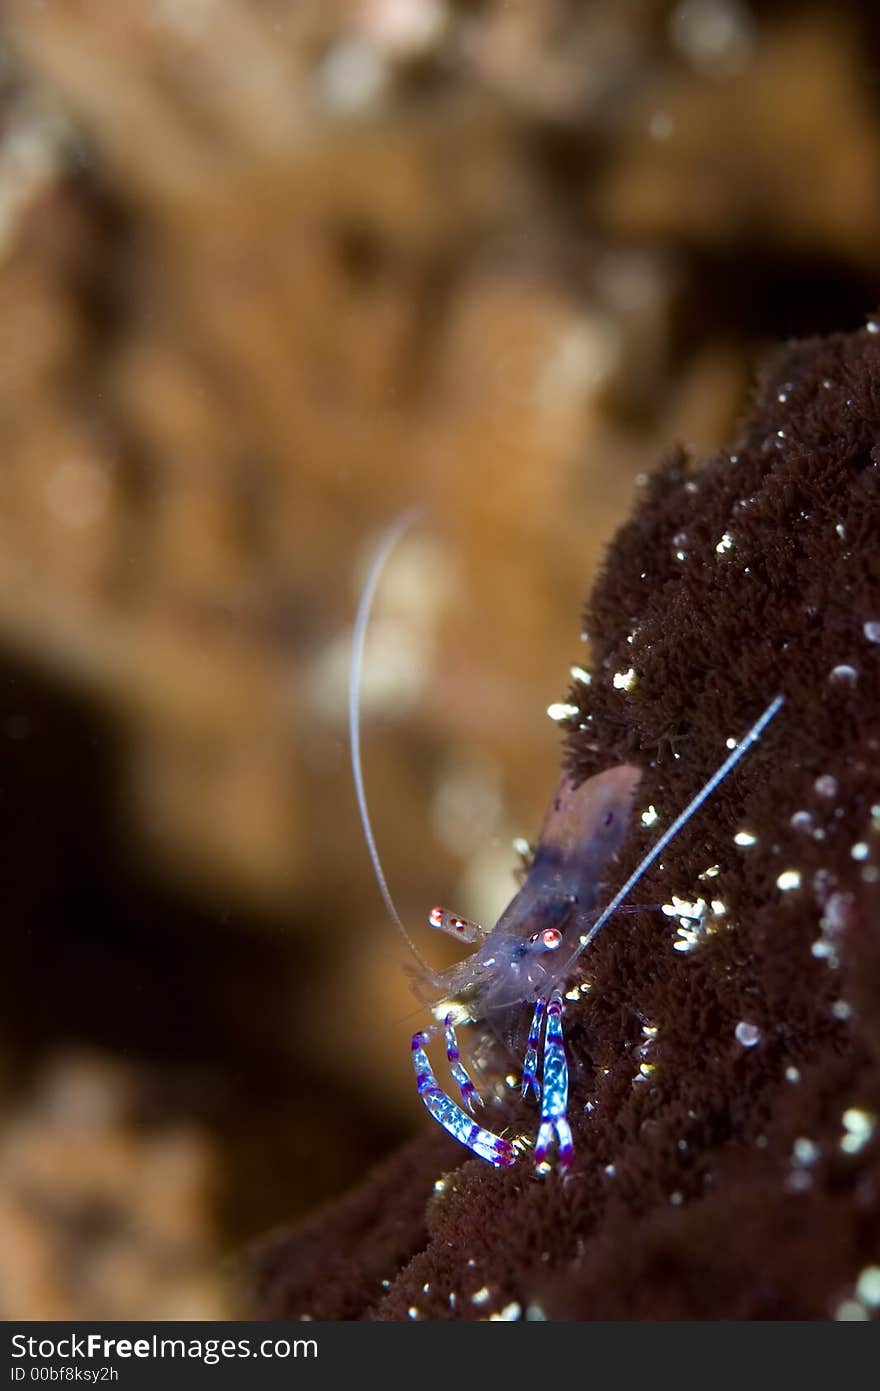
(435,917)
(550,938)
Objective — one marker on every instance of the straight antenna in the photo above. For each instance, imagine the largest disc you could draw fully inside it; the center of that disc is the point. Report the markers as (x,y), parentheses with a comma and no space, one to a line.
(681,820)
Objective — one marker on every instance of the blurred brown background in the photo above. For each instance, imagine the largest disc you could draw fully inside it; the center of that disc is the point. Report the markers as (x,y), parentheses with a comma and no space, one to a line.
(271,271)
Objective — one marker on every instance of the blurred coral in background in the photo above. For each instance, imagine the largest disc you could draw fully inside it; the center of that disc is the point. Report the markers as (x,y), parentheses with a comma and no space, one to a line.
(269,273)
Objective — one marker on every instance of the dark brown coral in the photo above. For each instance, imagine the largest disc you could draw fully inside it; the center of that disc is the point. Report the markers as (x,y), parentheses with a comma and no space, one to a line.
(724,1094)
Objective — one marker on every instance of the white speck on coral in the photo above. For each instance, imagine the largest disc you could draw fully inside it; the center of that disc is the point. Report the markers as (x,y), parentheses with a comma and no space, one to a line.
(789,879)
(582,675)
(826,785)
(871,629)
(693,925)
(535,1314)
(719,908)
(859,1126)
(860,850)
(792,1074)
(725,544)
(624,680)
(520,845)
(834,918)
(868,1286)
(610,1170)
(509,1314)
(844,674)
(481,1296)
(799,1182)
(747,1034)
(440,1185)
(804,1152)
(650,816)
(412,1312)
(730,743)
(680,907)
(802,821)
(872,326)
(745,838)
(711,873)
(561,710)
(850,1311)
(841,1009)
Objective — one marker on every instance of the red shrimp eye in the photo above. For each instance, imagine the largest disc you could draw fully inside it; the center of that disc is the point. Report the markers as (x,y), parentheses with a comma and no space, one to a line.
(551,937)
(435,917)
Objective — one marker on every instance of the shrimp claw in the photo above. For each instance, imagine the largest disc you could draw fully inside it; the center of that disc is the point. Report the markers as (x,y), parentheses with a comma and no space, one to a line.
(554,1105)
(484,1144)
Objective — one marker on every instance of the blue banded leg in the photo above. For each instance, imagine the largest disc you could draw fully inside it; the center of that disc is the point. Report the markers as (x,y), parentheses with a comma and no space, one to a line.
(469,1093)
(530,1066)
(493,1148)
(554,1104)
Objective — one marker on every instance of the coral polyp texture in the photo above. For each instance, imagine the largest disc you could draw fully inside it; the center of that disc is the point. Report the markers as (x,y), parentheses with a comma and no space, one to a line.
(725,1057)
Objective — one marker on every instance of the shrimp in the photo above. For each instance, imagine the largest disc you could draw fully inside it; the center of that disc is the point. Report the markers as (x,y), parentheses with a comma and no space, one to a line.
(529,956)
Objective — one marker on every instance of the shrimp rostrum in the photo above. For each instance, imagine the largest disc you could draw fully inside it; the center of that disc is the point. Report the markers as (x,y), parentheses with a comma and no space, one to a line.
(530,954)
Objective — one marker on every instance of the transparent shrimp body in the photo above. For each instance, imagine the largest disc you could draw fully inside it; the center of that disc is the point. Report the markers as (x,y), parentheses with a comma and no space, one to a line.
(525,959)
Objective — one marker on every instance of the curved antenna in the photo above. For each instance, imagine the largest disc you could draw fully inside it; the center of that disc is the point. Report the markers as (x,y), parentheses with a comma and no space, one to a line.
(389,540)
(681,820)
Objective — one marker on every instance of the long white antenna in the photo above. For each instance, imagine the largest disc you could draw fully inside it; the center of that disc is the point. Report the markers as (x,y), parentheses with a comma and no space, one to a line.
(389,540)
(681,820)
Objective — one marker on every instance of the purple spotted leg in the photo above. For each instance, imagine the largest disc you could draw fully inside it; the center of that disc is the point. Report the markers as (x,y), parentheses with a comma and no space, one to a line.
(493,1148)
(554,1102)
(530,1066)
(469,1093)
